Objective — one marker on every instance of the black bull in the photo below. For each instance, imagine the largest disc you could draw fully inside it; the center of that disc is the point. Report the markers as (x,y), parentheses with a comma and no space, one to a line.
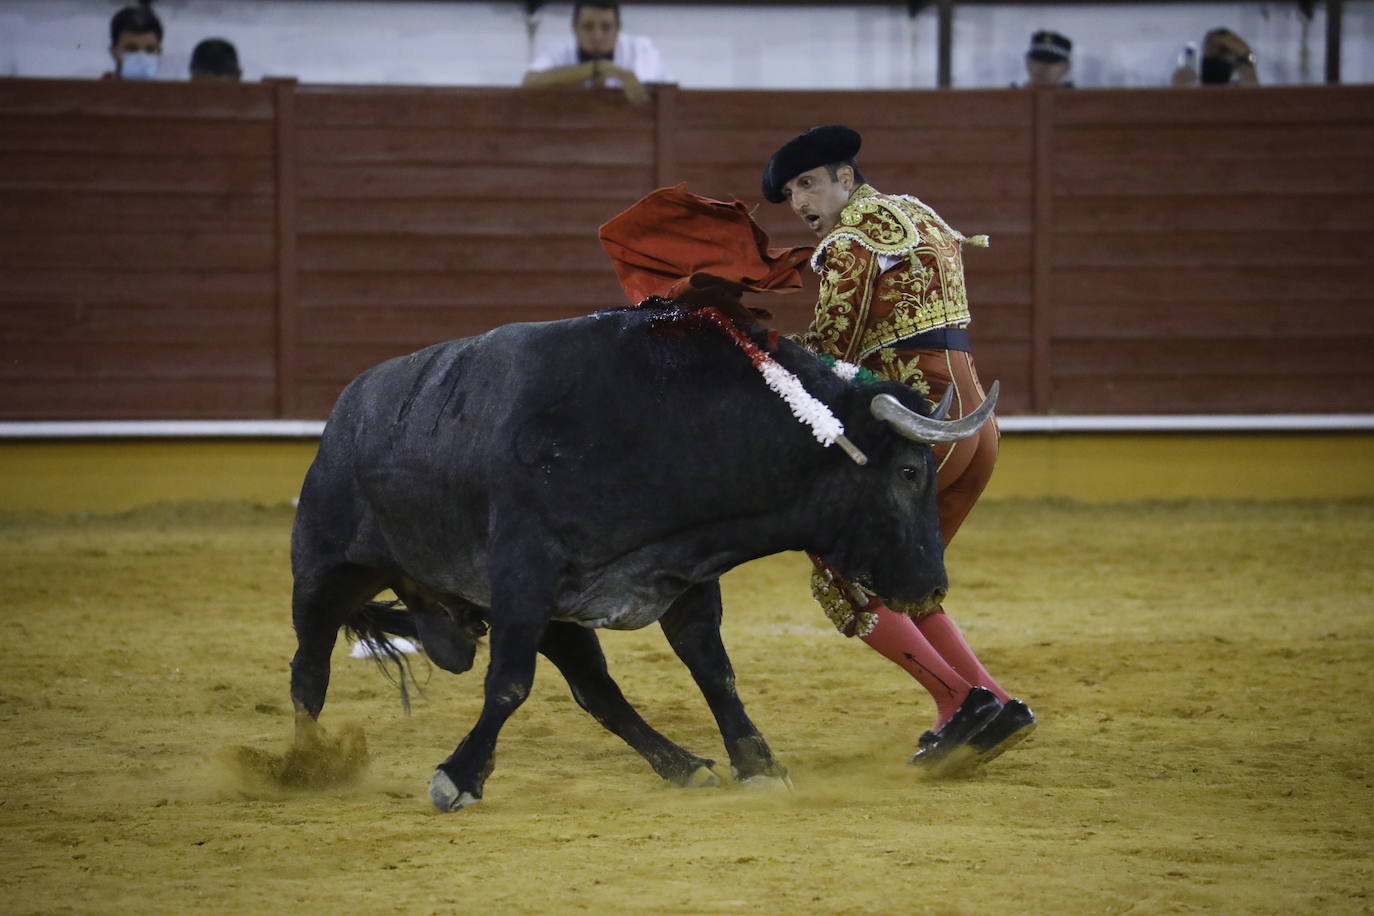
(543,480)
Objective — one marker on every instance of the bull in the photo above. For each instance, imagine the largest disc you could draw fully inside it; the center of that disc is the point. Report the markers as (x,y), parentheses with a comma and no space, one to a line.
(544,480)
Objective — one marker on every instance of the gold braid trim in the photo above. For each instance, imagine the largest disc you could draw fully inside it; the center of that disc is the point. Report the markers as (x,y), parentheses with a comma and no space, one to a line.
(924,290)
(889,364)
(840,599)
(846,295)
(849,619)
(923,211)
(829,590)
(876,221)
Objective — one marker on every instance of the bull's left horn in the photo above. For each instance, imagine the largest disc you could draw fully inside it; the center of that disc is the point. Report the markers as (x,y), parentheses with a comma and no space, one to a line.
(918,428)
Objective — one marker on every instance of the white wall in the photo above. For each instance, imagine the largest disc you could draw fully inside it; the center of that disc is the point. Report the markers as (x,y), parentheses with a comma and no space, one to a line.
(844,46)
(1139,44)
(1357,42)
(319,41)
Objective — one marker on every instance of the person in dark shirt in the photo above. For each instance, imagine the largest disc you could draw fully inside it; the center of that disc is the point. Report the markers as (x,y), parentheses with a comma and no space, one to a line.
(1226,59)
(215,59)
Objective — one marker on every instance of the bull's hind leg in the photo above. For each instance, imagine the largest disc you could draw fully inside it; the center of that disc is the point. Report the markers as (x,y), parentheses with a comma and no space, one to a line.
(322,600)
(577,653)
(692,626)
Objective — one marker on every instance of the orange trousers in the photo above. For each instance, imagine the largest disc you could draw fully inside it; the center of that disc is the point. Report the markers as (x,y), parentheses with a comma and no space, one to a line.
(965,466)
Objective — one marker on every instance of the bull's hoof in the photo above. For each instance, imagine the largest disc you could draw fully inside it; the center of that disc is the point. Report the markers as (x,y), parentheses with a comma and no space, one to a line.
(701,778)
(779,782)
(446,796)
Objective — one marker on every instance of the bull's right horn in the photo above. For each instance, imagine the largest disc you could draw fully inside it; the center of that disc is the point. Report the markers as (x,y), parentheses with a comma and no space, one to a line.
(919,428)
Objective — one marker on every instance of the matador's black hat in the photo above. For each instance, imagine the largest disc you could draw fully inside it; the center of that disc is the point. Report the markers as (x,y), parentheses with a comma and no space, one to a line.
(808,150)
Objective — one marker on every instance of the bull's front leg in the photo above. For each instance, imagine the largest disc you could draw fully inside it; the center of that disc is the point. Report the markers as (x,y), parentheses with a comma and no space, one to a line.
(577,653)
(692,626)
(515,637)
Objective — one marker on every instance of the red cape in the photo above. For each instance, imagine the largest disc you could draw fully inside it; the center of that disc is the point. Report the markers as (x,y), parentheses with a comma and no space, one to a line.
(670,237)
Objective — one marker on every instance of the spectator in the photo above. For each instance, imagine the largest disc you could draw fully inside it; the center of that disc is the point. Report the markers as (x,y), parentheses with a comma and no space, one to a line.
(1047,59)
(1226,59)
(215,59)
(599,55)
(135,43)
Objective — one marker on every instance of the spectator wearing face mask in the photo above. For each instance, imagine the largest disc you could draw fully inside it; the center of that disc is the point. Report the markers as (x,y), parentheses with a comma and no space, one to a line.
(135,43)
(215,59)
(1226,59)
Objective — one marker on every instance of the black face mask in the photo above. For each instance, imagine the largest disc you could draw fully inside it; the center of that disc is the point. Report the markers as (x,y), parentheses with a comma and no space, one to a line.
(1216,70)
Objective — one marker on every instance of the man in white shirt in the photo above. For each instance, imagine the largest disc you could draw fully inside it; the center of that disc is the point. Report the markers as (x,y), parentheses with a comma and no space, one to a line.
(600,55)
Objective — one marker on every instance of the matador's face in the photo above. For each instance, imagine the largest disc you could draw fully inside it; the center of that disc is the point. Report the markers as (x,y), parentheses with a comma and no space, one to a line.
(817,196)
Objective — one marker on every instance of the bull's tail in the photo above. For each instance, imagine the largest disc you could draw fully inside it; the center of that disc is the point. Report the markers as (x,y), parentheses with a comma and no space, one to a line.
(373,623)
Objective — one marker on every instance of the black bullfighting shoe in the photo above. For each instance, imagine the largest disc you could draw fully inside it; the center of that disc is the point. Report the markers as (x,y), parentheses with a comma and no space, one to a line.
(947,751)
(1013,725)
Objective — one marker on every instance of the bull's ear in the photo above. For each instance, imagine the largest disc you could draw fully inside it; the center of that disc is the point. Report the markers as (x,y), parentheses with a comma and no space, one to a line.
(929,430)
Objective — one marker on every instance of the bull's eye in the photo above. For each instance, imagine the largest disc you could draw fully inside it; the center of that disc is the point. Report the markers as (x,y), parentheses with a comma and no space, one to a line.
(909,473)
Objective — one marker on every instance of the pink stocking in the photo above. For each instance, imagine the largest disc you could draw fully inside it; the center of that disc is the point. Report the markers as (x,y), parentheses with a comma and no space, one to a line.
(899,641)
(944,635)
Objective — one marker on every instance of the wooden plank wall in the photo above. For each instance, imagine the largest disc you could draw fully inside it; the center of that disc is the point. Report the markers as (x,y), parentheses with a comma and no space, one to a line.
(1212,251)
(425,216)
(177,250)
(137,250)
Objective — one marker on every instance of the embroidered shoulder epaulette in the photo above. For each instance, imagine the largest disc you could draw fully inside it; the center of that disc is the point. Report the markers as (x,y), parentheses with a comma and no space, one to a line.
(887,224)
(876,221)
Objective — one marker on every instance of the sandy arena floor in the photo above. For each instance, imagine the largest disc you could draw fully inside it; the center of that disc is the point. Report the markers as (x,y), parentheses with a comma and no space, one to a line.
(1199,670)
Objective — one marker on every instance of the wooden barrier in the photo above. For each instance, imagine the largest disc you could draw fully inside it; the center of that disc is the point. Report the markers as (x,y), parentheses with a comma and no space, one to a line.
(1211,251)
(228,251)
(431,215)
(138,250)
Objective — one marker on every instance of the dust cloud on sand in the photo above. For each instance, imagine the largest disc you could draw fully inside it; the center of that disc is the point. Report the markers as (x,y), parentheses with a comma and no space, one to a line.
(315,759)
(1199,670)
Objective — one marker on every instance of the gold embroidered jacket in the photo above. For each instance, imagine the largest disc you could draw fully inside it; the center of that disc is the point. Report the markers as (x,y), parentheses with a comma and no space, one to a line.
(861,307)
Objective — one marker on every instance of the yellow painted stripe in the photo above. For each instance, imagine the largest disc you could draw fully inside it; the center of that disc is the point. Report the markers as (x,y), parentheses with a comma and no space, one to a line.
(116,475)
(1121,468)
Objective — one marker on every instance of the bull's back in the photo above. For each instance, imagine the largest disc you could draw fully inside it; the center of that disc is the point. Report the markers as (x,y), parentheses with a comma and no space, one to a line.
(338,518)
(598,435)
(416,447)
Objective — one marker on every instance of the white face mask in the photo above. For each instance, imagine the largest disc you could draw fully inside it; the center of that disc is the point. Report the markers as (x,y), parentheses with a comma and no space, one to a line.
(138,65)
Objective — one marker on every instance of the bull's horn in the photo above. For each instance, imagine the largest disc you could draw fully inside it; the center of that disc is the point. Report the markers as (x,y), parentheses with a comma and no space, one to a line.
(918,428)
(946,402)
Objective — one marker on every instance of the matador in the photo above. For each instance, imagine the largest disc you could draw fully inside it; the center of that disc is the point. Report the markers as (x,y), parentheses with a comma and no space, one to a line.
(893,301)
